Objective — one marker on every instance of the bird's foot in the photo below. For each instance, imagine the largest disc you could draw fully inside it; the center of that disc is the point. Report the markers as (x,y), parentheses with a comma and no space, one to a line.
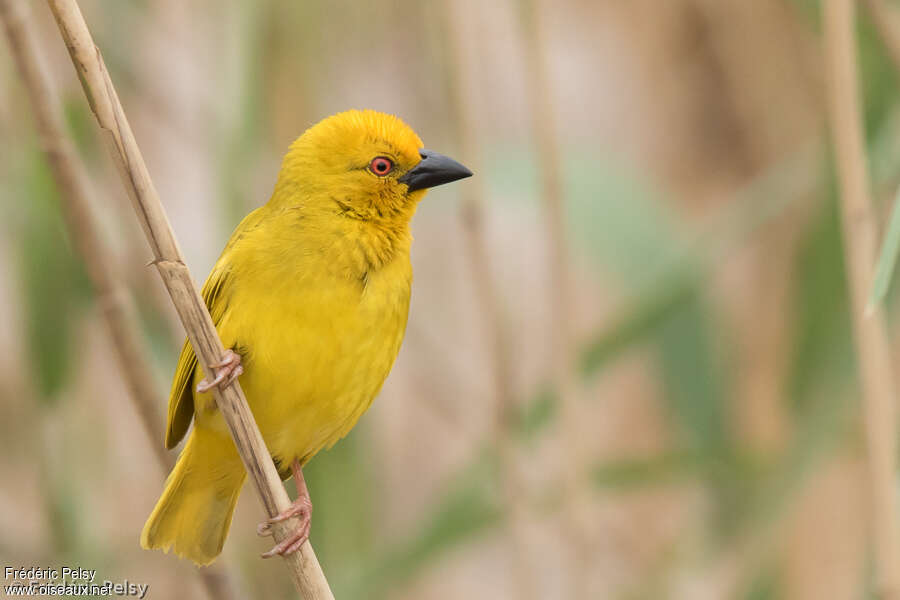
(301,508)
(226,372)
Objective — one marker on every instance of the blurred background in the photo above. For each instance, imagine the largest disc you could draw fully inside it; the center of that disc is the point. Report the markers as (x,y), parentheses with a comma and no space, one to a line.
(654,397)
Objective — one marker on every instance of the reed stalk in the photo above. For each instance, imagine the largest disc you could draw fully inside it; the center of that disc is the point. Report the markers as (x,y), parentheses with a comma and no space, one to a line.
(560,288)
(86,57)
(487,300)
(860,233)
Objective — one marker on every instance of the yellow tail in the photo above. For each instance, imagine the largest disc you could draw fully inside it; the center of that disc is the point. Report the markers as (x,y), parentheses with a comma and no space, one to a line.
(194,512)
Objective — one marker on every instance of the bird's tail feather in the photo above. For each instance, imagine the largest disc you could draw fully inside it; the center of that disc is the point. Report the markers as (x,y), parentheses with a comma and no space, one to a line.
(194,512)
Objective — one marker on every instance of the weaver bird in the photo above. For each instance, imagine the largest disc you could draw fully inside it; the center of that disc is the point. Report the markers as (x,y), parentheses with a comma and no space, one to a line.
(311,296)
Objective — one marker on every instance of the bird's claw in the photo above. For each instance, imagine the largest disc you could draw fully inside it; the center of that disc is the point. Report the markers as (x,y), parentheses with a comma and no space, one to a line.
(227,371)
(300,509)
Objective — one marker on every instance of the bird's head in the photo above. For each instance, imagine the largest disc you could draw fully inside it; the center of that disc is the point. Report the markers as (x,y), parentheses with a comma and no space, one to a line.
(365,165)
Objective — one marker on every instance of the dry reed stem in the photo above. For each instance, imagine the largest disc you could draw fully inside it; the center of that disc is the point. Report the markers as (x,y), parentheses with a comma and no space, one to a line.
(560,288)
(860,247)
(112,297)
(303,565)
(549,170)
(472,214)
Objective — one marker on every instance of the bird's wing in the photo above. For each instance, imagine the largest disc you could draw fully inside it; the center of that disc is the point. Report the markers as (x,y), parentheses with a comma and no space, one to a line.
(181,398)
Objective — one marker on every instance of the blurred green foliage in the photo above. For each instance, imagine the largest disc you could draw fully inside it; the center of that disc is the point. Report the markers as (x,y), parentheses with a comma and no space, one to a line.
(887,260)
(465,510)
(54,282)
(821,314)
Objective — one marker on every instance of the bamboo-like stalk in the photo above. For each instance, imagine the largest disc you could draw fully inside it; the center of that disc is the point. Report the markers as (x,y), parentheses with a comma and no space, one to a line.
(549,170)
(472,216)
(303,565)
(860,235)
(112,297)
(560,285)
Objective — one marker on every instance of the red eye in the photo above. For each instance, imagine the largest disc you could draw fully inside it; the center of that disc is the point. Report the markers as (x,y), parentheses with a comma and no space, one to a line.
(381,165)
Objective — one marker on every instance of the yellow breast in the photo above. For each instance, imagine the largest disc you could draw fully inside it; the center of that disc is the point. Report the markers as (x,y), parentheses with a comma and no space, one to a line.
(318,335)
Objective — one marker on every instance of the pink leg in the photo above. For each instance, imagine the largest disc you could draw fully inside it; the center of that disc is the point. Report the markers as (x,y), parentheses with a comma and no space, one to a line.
(301,508)
(226,372)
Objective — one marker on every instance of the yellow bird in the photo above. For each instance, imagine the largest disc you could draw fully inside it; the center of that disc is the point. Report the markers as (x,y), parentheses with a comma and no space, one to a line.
(311,296)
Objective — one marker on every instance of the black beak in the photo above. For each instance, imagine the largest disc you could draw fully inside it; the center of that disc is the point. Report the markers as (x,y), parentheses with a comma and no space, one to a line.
(434,169)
